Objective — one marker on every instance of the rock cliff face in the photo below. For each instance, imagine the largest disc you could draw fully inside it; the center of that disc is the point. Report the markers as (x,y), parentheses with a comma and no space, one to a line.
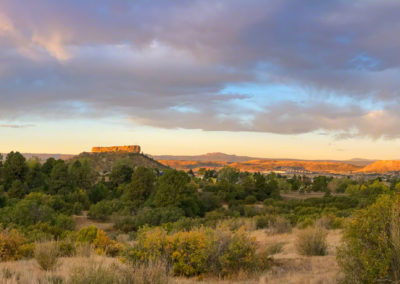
(127,149)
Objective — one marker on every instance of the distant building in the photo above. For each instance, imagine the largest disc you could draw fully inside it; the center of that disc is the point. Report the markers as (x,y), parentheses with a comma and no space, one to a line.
(125,149)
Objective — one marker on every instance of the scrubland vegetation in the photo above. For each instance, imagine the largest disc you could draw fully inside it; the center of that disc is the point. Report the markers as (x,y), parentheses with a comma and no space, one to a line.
(69,223)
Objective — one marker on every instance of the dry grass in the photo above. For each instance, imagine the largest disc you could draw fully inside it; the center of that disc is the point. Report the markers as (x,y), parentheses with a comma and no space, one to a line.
(290,267)
(98,273)
(312,241)
(84,250)
(28,271)
(95,269)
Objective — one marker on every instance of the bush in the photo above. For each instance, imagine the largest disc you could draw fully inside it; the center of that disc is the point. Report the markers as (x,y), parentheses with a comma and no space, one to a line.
(280,225)
(124,223)
(94,273)
(330,222)
(240,253)
(46,254)
(183,224)
(27,250)
(104,245)
(312,241)
(150,245)
(65,222)
(250,199)
(157,216)
(263,221)
(67,248)
(370,252)
(103,209)
(235,224)
(189,252)
(306,222)
(198,251)
(10,244)
(87,234)
(251,211)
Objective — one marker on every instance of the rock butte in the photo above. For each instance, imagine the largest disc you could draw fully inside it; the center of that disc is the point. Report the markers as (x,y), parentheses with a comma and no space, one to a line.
(126,149)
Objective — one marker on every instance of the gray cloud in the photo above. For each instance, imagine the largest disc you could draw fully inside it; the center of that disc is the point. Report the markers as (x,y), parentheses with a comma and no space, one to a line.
(166,63)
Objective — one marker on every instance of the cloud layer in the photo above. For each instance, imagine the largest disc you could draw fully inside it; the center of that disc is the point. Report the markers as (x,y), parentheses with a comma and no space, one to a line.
(169,63)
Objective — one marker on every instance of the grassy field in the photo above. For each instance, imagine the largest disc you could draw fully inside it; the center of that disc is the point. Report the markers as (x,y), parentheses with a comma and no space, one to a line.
(288,266)
(303,196)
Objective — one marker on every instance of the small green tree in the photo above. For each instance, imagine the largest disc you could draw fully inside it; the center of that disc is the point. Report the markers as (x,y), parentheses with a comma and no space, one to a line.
(172,188)
(59,178)
(82,174)
(140,187)
(15,168)
(371,249)
(121,174)
(229,175)
(17,189)
(35,176)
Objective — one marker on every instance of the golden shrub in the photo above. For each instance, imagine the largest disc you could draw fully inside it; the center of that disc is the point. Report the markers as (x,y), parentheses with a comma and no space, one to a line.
(10,243)
(189,252)
(104,245)
(150,245)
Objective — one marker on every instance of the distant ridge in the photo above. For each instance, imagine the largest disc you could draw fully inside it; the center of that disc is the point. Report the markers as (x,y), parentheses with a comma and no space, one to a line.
(216,156)
(382,167)
(222,157)
(268,165)
(44,156)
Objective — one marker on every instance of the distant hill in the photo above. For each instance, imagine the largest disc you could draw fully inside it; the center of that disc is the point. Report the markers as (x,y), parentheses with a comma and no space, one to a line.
(103,162)
(268,165)
(382,167)
(215,157)
(43,157)
(222,157)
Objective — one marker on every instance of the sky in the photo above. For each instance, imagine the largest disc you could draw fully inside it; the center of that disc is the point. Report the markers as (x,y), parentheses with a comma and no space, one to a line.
(277,79)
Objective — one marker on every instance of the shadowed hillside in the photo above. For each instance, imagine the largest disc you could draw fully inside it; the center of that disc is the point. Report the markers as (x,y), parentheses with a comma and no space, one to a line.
(103,162)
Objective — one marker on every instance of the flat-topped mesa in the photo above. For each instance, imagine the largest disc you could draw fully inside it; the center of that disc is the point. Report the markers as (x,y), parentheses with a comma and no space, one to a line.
(126,149)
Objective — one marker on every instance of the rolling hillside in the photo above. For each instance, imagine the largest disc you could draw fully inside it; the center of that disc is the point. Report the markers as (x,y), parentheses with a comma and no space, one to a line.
(382,167)
(103,162)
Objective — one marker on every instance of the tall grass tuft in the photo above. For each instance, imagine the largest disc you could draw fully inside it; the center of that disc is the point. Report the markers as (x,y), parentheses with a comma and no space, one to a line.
(312,241)
(46,254)
(98,273)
